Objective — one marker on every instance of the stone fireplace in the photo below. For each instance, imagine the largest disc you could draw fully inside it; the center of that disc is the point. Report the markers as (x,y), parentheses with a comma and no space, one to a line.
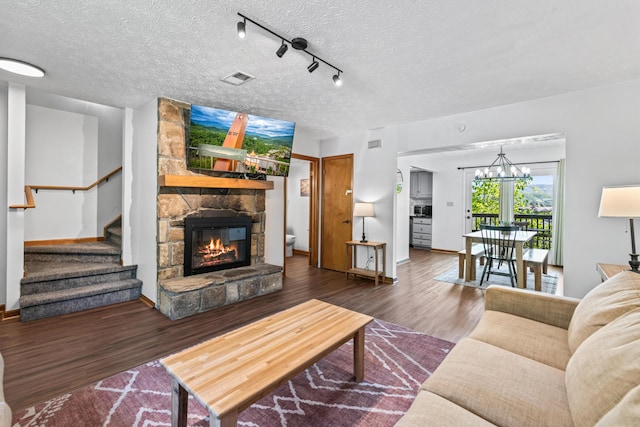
(186,198)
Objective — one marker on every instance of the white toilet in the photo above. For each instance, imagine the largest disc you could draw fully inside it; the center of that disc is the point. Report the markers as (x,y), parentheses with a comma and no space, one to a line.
(291,239)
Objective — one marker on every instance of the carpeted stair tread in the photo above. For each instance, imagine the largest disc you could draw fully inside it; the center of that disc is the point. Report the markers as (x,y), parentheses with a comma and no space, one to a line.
(99,248)
(90,252)
(115,230)
(42,271)
(76,293)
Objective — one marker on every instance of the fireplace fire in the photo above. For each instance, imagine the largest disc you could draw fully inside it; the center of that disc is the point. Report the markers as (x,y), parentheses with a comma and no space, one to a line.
(215,253)
(216,243)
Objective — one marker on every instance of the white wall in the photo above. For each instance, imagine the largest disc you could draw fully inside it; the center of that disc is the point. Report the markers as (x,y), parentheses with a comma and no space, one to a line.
(274,223)
(110,145)
(140,192)
(602,147)
(374,181)
(72,142)
(14,250)
(297,205)
(62,150)
(3,190)
(403,206)
(305,144)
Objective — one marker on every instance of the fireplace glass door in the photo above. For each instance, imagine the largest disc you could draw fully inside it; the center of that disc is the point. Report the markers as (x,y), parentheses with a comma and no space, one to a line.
(213,244)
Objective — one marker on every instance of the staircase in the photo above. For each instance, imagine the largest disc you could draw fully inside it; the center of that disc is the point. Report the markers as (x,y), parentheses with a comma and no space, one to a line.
(62,279)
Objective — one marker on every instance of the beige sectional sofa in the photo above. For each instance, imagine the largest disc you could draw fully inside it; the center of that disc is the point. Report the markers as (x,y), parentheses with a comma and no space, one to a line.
(541,360)
(5,411)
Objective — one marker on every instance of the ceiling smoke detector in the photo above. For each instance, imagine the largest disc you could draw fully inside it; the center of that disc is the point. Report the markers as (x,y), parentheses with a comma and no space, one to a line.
(237,78)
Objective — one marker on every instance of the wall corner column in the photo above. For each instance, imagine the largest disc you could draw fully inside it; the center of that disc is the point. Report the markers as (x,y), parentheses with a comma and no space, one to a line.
(16,137)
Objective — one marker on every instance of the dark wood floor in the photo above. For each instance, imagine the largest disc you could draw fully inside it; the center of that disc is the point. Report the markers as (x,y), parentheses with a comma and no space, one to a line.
(46,358)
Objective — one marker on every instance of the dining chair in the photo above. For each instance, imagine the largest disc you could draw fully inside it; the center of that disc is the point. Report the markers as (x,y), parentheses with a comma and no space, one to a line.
(499,245)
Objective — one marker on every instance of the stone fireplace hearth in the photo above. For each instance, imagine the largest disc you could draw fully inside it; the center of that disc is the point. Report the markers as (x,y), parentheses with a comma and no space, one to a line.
(191,195)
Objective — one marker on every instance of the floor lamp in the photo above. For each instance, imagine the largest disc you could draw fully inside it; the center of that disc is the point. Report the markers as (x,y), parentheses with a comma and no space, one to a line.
(623,201)
(363,210)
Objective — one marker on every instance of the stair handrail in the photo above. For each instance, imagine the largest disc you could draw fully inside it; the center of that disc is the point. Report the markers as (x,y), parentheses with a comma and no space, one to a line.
(28,189)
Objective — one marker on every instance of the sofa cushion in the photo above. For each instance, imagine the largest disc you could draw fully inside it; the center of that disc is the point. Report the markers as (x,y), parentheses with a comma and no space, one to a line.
(5,415)
(501,387)
(604,369)
(625,413)
(429,409)
(528,338)
(607,301)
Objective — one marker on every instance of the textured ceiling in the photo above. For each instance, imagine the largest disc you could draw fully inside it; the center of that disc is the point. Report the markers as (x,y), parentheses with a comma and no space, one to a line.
(402,61)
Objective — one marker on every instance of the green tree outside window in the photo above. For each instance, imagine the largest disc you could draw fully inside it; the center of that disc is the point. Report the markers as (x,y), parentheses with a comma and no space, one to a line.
(485,197)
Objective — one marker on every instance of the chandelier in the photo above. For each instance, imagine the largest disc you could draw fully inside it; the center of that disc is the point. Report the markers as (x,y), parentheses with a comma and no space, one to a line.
(502,169)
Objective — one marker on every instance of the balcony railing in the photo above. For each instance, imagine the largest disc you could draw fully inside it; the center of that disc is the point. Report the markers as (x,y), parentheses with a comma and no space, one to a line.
(541,224)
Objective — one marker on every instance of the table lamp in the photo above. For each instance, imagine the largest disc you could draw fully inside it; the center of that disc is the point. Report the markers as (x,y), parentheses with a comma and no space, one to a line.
(363,210)
(623,201)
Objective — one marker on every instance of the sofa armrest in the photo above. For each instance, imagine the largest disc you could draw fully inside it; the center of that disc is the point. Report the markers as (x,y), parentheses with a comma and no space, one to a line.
(550,309)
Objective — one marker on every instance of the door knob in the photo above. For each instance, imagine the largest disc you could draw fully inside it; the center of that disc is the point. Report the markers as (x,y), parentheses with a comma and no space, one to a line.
(346,221)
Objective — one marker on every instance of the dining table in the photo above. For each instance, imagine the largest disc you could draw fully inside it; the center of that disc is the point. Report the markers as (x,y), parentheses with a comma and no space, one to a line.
(521,238)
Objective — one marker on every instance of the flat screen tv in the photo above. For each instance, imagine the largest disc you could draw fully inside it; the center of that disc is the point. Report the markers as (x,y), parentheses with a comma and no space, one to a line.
(236,144)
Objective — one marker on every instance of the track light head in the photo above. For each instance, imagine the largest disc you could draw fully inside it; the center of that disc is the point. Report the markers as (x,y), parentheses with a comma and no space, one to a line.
(242,29)
(337,80)
(282,49)
(313,66)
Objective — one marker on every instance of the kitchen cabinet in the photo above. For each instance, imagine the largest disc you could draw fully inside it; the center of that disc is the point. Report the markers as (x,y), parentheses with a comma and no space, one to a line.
(421,184)
(421,230)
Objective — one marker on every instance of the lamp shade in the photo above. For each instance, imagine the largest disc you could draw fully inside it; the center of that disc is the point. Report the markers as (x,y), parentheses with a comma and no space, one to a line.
(363,209)
(620,201)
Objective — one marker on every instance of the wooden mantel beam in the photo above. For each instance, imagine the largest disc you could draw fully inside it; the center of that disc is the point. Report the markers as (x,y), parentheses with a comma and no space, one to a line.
(212,182)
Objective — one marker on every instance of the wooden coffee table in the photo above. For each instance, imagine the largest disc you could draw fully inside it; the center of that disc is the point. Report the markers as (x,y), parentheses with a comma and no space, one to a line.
(229,373)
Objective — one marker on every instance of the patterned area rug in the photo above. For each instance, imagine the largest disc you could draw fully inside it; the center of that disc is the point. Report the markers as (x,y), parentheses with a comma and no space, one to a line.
(397,361)
(549,281)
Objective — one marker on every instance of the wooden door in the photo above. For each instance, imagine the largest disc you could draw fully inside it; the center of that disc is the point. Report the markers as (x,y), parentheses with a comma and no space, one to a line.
(314,201)
(337,205)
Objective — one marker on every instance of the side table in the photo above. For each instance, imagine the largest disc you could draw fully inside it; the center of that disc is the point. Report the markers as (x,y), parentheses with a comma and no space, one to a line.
(352,258)
(608,270)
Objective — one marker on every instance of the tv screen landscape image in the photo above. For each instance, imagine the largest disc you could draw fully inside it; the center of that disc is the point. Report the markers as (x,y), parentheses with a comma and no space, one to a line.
(229,143)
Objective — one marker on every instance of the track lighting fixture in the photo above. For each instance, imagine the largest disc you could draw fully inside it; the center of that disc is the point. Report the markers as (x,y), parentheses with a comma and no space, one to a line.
(313,65)
(282,49)
(297,43)
(242,29)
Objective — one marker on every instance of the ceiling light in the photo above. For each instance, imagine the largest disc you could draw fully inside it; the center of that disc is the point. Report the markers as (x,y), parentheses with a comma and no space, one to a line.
(282,49)
(20,67)
(502,170)
(242,26)
(313,66)
(337,80)
(297,43)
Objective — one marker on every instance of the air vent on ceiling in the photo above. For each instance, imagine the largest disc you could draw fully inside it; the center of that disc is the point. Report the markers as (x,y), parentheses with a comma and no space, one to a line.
(237,78)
